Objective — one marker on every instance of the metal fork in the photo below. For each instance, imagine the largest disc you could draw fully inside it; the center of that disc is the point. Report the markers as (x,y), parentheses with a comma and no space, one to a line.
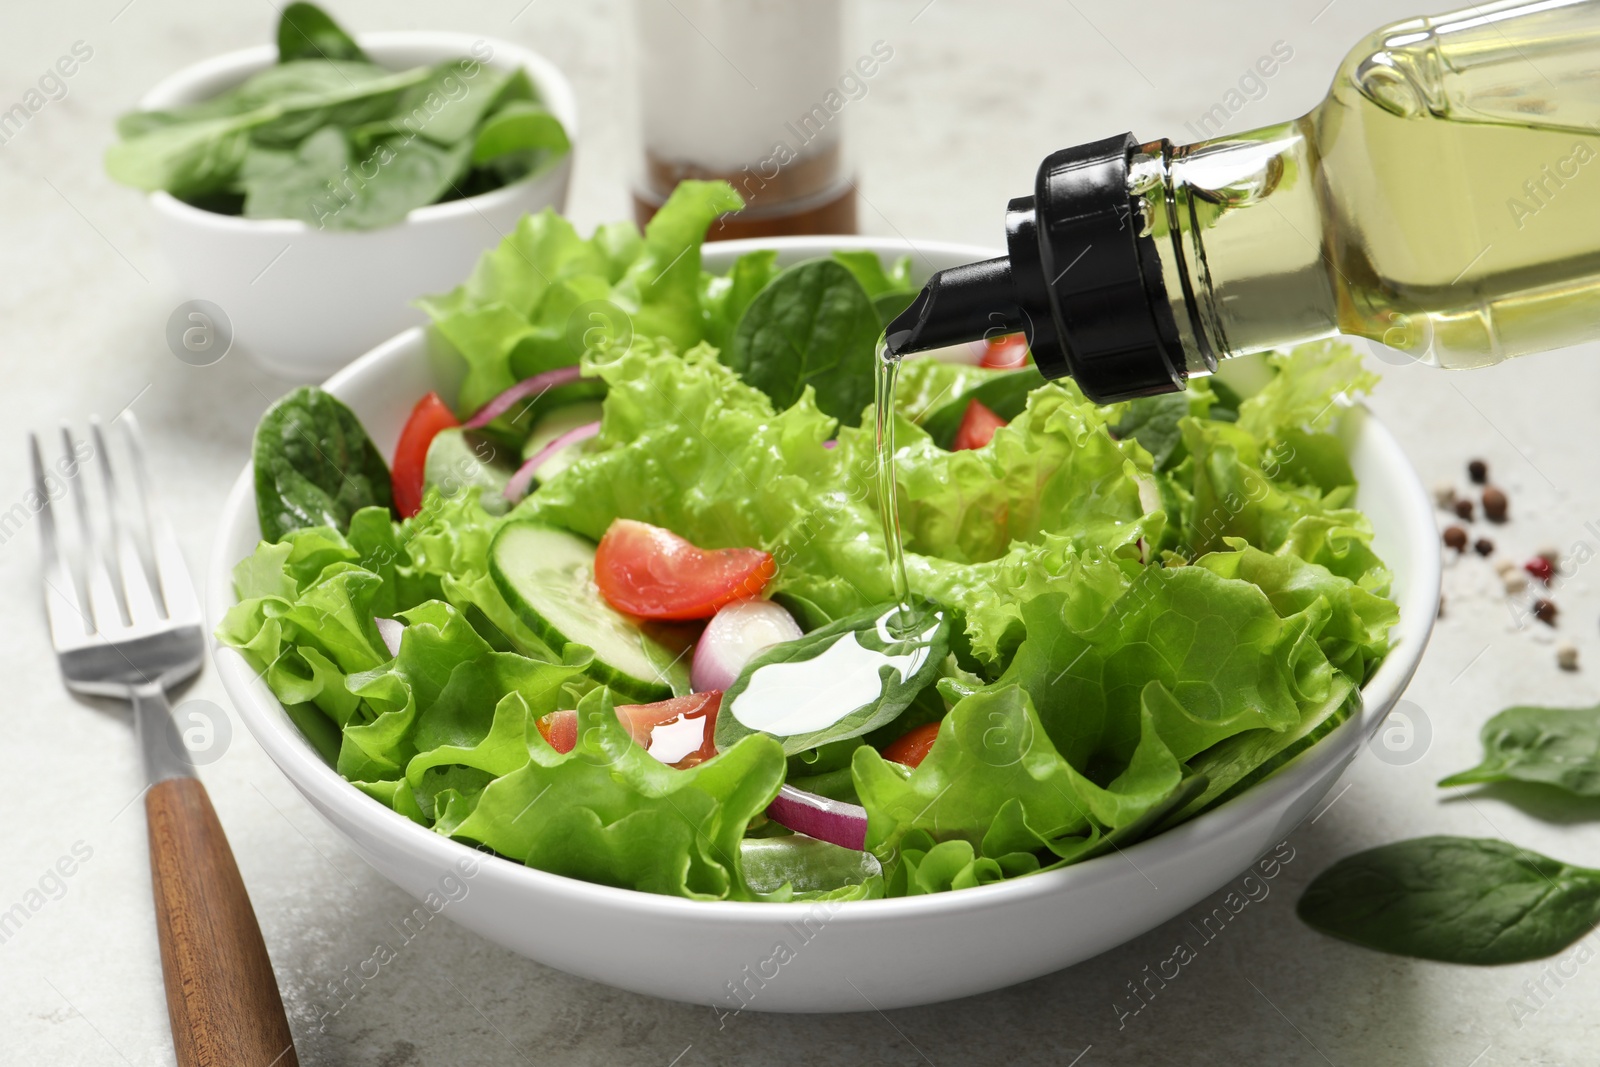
(125,623)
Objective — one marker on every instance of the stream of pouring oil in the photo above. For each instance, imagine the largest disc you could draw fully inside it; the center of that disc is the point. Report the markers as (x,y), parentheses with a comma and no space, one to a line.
(887,372)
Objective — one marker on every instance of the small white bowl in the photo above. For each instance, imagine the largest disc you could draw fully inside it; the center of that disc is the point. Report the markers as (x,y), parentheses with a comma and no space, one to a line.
(844,957)
(304,302)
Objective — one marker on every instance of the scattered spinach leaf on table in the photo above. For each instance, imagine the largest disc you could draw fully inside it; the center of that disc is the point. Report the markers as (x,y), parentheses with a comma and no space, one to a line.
(1454,899)
(1553,746)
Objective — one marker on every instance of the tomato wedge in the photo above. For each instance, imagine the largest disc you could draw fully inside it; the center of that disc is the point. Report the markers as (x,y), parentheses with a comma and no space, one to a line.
(977,428)
(1005,353)
(655,574)
(410,456)
(911,747)
(560,728)
(677,732)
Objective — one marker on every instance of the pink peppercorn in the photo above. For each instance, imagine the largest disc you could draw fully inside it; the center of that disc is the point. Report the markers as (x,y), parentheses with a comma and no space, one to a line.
(1540,568)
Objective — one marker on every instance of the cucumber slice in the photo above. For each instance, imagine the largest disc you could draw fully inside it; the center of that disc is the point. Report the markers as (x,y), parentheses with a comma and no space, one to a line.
(559,422)
(552,426)
(455,462)
(547,576)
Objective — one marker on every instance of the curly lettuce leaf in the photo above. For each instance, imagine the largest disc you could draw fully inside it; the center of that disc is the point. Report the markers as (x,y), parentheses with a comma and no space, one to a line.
(1311,385)
(995,781)
(1054,469)
(1354,631)
(724,297)
(514,316)
(1209,656)
(607,812)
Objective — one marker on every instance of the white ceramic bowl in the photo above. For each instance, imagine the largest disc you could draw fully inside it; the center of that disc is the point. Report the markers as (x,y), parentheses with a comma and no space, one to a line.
(303,302)
(883,953)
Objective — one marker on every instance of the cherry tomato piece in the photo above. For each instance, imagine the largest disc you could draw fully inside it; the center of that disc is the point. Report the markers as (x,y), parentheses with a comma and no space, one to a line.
(411,455)
(977,428)
(653,573)
(911,747)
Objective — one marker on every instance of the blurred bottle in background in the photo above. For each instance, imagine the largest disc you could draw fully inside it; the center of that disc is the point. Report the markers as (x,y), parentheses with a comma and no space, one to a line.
(753,92)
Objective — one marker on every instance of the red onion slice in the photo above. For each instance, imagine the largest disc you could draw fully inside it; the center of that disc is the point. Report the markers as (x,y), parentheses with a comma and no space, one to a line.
(833,821)
(390,630)
(525,388)
(517,487)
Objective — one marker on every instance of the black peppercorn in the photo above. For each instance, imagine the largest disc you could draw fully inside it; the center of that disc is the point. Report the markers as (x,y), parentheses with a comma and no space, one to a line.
(1494,505)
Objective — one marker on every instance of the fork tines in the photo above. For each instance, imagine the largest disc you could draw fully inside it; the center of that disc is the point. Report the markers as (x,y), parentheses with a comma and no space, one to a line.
(117,572)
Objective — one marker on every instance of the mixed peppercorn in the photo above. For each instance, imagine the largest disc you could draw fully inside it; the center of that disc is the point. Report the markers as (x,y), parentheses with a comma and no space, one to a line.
(1542,568)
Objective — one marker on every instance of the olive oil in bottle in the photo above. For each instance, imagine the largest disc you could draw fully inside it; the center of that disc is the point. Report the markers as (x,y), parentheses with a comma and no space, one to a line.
(1443,199)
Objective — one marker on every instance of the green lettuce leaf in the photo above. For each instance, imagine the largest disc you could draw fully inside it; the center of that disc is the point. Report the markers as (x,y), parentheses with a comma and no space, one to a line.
(1054,469)
(608,813)
(1208,656)
(1306,391)
(996,782)
(517,314)
(1354,631)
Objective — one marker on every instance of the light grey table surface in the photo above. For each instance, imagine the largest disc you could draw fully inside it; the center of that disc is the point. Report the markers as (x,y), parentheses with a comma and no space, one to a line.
(951,128)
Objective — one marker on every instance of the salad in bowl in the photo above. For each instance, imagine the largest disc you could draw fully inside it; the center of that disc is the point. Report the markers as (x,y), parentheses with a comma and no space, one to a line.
(617,605)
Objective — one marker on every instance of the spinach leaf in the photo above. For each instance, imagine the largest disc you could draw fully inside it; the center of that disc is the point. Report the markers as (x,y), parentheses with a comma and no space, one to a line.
(1005,395)
(450,103)
(314,465)
(813,325)
(806,612)
(289,102)
(190,157)
(328,188)
(876,281)
(1456,899)
(519,127)
(1153,422)
(890,305)
(1554,746)
(842,680)
(187,159)
(307,32)
(890,291)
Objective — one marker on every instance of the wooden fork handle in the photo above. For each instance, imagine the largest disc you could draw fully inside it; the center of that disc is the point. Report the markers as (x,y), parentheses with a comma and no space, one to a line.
(221,993)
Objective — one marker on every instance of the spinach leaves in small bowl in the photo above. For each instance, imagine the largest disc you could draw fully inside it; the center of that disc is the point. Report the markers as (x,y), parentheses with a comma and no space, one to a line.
(329,137)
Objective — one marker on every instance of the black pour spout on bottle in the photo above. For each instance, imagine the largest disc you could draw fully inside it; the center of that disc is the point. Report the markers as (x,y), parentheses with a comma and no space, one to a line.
(1082,281)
